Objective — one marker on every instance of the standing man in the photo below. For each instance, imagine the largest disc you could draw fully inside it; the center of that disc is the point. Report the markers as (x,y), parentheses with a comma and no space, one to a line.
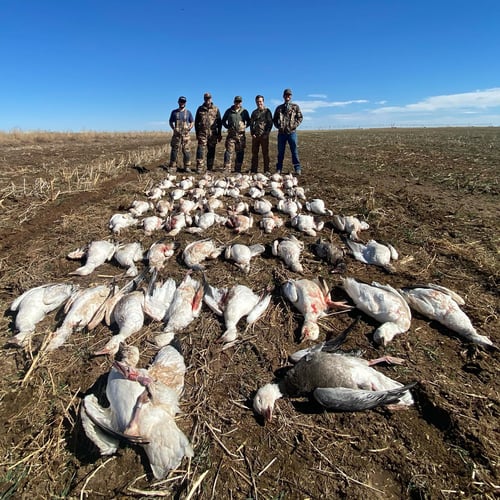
(261,123)
(208,127)
(236,119)
(287,117)
(181,122)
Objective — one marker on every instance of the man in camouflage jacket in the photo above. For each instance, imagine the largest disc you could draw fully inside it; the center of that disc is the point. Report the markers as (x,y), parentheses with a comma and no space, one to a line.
(261,123)
(236,119)
(287,117)
(208,127)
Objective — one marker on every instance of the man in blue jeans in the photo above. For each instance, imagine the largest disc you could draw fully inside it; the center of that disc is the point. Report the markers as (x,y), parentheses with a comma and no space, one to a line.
(287,117)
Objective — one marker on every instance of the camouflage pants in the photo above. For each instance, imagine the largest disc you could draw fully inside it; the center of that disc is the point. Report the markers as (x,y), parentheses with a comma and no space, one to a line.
(180,140)
(206,142)
(235,142)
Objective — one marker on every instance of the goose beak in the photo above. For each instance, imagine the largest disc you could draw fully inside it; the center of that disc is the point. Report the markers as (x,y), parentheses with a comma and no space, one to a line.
(268,414)
(132,374)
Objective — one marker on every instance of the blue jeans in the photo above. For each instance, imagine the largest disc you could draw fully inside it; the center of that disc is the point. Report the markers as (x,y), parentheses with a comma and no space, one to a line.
(291,139)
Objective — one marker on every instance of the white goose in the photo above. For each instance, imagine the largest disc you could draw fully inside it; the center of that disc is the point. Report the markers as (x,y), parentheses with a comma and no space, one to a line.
(198,251)
(350,225)
(97,253)
(289,251)
(143,405)
(443,305)
(242,254)
(127,254)
(383,303)
(127,312)
(185,307)
(374,253)
(317,206)
(312,299)
(307,224)
(118,222)
(234,304)
(80,310)
(34,304)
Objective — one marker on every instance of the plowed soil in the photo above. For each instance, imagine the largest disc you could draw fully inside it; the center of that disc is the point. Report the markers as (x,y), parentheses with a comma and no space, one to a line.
(432,193)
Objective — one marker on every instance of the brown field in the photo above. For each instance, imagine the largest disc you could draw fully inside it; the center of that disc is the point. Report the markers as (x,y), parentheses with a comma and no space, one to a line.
(433,193)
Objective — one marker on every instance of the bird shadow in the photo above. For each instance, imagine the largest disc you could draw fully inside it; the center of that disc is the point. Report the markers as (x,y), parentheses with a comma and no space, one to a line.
(140,169)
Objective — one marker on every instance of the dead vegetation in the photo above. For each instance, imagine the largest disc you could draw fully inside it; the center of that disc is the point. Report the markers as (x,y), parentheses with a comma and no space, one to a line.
(432,193)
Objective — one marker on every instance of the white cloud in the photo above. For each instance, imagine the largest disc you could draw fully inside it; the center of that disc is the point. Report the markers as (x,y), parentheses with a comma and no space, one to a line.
(318,96)
(313,106)
(481,99)
(475,108)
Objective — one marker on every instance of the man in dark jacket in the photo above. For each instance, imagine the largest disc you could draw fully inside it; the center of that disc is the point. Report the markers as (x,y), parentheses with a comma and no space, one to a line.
(236,119)
(287,117)
(261,123)
(208,127)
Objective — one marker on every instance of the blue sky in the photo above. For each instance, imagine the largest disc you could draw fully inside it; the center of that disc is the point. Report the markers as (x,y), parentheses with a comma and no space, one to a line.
(109,65)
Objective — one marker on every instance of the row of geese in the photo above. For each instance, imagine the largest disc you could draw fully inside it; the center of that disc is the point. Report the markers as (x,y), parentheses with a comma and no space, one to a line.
(143,402)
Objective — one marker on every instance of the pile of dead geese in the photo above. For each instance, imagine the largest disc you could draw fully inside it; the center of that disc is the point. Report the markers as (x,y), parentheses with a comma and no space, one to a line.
(143,402)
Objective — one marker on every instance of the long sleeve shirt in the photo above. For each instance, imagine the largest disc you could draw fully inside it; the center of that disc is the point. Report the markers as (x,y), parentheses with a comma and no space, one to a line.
(287,117)
(236,120)
(261,122)
(208,120)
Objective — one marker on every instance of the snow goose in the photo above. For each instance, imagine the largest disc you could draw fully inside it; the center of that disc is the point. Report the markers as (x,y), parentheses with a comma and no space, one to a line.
(97,253)
(242,254)
(384,304)
(143,405)
(289,250)
(34,304)
(443,305)
(234,304)
(312,299)
(337,381)
(374,253)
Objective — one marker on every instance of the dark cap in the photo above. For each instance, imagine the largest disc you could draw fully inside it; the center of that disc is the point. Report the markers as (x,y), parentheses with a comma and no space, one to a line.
(207,95)
(238,98)
(182,99)
(287,92)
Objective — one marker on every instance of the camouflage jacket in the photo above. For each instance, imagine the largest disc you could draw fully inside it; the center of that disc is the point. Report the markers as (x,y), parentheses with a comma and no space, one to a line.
(236,120)
(208,119)
(261,121)
(287,117)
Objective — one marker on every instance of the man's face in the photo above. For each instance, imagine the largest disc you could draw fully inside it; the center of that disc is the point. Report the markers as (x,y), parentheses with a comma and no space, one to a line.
(182,104)
(287,97)
(237,104)
(260,103)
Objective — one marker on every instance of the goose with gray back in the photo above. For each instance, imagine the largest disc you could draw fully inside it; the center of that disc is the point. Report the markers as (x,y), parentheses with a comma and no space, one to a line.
(337,381)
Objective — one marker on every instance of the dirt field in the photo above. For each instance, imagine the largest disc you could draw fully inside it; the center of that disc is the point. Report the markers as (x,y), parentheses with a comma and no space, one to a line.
(432,193)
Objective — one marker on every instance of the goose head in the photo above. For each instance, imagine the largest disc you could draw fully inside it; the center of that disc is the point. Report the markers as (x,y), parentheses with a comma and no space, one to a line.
(310,331)
(264,400)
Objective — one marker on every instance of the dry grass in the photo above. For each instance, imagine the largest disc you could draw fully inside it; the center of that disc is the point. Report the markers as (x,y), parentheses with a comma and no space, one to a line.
(27,187)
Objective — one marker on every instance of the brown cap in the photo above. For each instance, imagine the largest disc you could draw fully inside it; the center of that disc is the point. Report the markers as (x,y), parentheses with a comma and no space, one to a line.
(207,95)
(287,92)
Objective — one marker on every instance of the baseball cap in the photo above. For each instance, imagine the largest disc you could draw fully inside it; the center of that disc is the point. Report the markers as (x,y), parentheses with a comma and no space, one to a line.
(287,92)
(238,98)
(207,95)
(182,99)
